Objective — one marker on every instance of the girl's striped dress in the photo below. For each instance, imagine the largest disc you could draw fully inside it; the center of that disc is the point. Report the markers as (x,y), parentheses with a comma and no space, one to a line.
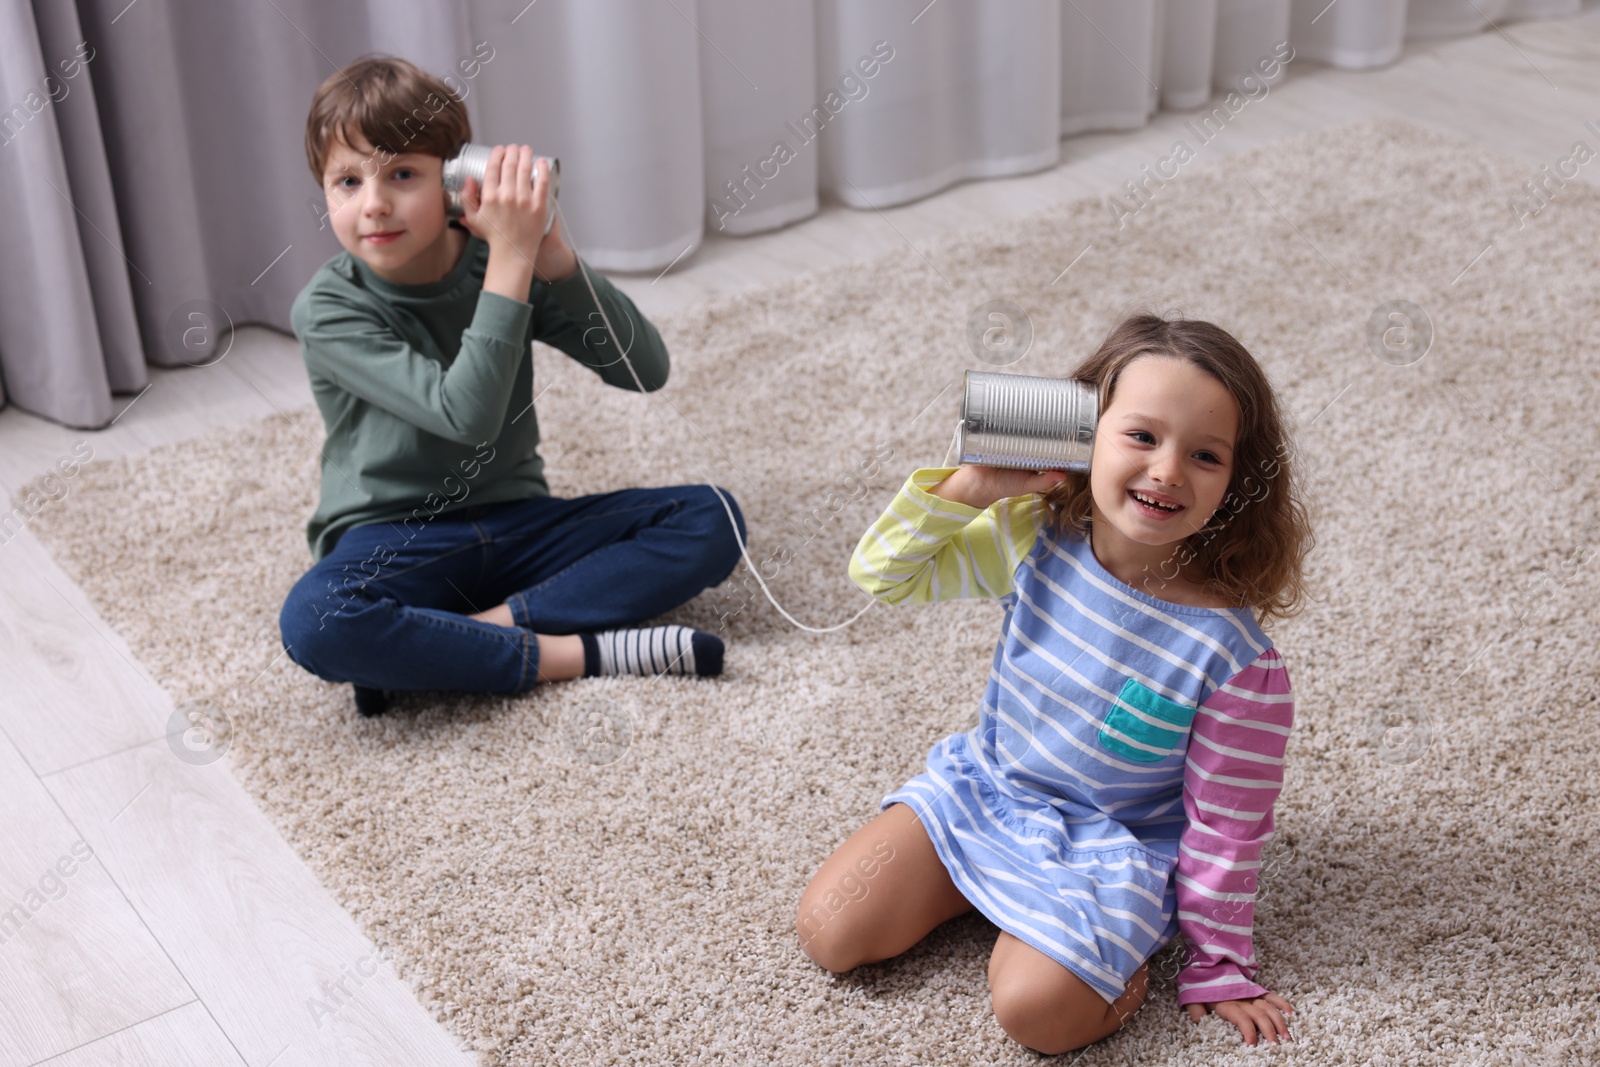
(1119,784)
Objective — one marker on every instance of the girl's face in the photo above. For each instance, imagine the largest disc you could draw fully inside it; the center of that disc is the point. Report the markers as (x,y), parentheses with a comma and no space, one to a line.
(1163,454)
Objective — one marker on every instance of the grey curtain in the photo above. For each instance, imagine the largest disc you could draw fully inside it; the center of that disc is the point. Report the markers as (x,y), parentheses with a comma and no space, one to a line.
(154,179)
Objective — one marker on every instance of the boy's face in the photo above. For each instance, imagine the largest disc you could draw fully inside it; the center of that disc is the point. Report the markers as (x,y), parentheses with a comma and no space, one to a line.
(389,211)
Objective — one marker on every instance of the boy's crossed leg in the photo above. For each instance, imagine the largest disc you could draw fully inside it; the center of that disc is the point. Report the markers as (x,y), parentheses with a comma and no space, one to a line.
(394,614)
(575,570)
(885,889)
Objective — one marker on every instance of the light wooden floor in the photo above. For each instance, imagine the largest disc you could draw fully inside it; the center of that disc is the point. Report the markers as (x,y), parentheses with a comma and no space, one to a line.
(191,934)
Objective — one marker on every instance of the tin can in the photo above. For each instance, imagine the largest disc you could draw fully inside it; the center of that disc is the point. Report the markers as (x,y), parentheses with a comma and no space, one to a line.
(1027,423)
(471,162)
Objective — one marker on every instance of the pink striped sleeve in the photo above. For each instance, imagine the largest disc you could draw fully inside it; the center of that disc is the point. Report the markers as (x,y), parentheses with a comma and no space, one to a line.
(1232,778)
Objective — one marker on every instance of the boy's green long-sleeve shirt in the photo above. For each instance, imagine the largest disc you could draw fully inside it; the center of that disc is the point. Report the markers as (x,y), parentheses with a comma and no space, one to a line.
(427,390)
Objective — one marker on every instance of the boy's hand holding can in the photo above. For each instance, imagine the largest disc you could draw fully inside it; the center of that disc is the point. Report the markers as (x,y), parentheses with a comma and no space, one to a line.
(509,212)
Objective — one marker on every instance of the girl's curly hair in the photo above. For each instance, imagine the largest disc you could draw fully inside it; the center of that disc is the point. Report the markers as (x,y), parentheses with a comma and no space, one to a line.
(1252,551)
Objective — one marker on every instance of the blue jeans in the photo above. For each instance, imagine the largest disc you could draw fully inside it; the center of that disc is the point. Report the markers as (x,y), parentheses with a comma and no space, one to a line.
(387,607)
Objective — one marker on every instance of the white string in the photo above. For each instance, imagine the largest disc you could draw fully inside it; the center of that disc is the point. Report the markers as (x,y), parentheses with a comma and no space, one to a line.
(743,550)
(760,581)
(955,443)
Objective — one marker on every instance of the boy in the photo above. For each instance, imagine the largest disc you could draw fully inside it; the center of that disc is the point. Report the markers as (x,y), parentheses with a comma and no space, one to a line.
(441,560)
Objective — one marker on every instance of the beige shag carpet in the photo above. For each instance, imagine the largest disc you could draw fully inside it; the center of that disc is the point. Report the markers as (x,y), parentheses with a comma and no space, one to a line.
(1431,897)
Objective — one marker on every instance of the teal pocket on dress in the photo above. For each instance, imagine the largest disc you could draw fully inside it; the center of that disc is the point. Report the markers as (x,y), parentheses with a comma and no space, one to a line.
(1145,726)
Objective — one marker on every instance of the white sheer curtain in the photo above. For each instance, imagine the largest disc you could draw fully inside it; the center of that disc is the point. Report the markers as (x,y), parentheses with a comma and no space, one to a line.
(758,185)
(1248,33)
(612,89)
(961,93)
(1353,34)
(1188,48)
(680,117)
(1111,54)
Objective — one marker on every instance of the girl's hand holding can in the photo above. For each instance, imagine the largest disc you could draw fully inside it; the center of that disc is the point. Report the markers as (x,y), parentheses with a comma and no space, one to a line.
(979,486)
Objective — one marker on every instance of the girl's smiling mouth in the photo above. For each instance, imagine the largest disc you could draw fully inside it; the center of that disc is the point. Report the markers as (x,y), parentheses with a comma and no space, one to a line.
(1154,505)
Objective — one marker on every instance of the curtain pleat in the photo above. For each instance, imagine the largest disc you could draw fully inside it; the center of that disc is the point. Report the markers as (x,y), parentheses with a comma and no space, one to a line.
(760,166)
(62,275)
(612,89)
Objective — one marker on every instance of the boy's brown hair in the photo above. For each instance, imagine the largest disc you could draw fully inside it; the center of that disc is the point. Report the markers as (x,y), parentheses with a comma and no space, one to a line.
(1253,549)
(395,105)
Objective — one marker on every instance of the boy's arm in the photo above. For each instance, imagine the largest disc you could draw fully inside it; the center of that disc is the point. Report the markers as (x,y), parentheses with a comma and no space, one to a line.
(1232,777)
(925,548)
(526,258)
(570,320)
(464,402)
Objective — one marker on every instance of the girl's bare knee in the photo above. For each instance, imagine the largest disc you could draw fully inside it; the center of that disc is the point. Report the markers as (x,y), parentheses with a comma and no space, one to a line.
(1045,1007)
(820,940)
(1035,1018)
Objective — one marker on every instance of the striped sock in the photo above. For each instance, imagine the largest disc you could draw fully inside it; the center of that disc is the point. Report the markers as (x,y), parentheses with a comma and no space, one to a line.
(654,650)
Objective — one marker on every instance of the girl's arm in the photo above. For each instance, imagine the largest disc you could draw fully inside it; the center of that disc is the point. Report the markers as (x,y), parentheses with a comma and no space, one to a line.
(1232,777)
(951,533)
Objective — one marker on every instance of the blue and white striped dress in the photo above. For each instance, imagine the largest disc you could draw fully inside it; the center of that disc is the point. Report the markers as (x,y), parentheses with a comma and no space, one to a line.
(1060,814)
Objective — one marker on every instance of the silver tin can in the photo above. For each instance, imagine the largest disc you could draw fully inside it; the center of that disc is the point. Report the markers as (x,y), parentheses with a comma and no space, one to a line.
(1027,423)
(471,162)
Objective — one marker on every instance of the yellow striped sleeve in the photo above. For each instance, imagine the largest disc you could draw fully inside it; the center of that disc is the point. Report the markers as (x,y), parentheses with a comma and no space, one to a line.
(924,549)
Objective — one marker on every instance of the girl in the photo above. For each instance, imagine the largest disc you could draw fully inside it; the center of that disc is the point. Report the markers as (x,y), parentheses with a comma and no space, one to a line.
(1118,787)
